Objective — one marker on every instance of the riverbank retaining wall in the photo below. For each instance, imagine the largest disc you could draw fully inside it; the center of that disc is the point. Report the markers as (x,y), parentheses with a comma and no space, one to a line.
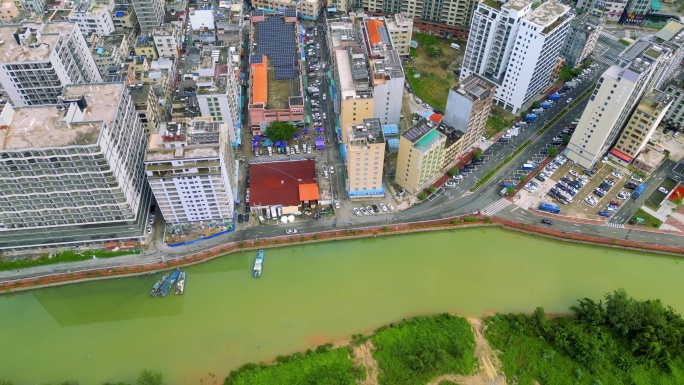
(326,236)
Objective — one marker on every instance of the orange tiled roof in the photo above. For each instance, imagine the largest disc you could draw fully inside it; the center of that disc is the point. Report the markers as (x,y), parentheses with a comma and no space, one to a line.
(373,33)
(436,117)
(308,192)
(260,83)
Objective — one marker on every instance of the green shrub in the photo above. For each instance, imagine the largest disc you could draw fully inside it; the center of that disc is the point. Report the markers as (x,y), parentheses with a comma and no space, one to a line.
(419,349)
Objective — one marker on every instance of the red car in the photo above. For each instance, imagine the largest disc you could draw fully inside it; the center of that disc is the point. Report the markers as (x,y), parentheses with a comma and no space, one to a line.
(615,203)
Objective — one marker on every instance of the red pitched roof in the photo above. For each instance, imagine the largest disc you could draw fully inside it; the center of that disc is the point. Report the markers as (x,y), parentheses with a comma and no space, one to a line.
(436,117)
(277,183)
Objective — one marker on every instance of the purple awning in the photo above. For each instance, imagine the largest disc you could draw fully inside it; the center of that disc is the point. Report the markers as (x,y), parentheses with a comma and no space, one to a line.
(320,143)
(296,136)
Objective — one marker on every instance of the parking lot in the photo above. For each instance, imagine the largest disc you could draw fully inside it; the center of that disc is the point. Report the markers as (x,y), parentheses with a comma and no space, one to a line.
(656,198)
(568,179)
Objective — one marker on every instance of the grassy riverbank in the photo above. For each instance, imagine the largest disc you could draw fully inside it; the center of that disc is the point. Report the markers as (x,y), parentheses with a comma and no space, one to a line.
(59,257)
(411,352)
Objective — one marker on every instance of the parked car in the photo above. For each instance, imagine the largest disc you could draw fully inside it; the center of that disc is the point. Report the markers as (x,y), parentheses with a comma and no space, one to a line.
(364,211)
(383,207)
(604,214)
(390,207)
(376,209)
(547,222)
(663,190)
(449,184)
(356,211)
(291,231)
(401,192)
(370,210)
(636,179)
(241,218)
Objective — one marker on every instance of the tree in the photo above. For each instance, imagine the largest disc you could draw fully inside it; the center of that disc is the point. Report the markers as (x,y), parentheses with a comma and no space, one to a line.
(566,138)
(280,131)
(454,171)
(432,189)
(553,151)
(679,200)
(523,178)
(510,190)
(422,196)
(148,377)
(536,104)
(477,155)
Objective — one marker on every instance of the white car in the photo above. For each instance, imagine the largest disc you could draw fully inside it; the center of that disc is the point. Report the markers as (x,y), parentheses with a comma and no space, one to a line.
(383,207)
(616,174)
(622,195)
(390,207)
(458,177)
(449,184)
(337,204)
(149,229)
(332,169)
(663,190)
(356,211)
(291,231)
(636,179)
(574,173)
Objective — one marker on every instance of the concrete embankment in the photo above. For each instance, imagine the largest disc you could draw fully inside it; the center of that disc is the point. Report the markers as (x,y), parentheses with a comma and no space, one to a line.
(337,235)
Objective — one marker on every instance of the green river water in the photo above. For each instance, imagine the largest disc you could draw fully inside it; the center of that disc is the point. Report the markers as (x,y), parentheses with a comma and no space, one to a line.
(110,330)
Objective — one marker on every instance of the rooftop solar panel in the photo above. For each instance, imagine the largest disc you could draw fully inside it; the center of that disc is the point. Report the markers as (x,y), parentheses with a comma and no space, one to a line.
(276,39)
(290,12)
(256,59)
(416,132)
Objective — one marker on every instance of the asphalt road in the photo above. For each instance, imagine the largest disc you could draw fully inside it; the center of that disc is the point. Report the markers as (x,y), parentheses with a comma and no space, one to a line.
(448,203)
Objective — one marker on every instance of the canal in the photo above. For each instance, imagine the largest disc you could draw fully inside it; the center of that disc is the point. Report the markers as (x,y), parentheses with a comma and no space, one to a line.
(110,330)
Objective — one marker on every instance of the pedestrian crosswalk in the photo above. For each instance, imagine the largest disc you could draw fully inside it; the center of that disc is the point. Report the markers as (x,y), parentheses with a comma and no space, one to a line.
(496,206)
(604,60)
(616,225)
(609,35)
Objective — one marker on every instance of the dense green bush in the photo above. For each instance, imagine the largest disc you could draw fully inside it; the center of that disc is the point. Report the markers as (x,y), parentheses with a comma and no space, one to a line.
(419,349)
(621,341)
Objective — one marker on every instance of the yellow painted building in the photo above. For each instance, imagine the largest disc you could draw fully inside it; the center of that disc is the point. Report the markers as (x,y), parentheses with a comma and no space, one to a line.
(421,156)
(365,147)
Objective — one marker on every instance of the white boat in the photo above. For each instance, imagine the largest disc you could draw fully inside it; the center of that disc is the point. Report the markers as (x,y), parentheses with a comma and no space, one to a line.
(258,264)
(180,284)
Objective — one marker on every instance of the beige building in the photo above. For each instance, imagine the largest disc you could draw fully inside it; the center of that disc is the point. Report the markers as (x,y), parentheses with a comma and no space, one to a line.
(365,147)
(453,147)
(421,155)
(144,46)
(356,93)
(400,28)
(468,106)
(640,126)
(309,9)
(166,40)
(618,91)
(8,11)
(146,104)
(109,52)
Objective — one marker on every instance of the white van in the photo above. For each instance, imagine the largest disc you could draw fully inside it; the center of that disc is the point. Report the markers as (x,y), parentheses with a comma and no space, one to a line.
(270,151)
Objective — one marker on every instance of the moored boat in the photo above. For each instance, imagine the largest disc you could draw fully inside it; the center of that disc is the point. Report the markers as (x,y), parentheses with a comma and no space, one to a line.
(258,264)
(166,286)
(180,285)
(155,289)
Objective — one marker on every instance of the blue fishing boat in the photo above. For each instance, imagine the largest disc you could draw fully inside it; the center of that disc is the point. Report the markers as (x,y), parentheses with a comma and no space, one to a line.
(166,286)
(157,285)
(258,264)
